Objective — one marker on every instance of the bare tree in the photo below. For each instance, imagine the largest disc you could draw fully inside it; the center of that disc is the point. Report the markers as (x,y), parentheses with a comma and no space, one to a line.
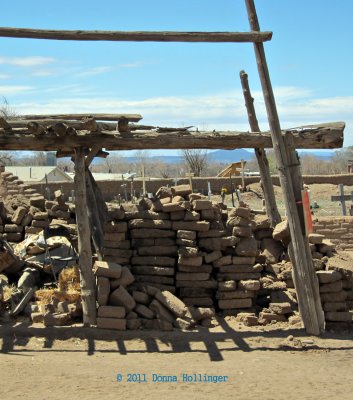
(195,160)
(6,111)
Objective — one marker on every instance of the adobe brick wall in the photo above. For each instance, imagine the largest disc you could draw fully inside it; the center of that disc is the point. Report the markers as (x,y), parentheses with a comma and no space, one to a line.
(111,189)
(338,229)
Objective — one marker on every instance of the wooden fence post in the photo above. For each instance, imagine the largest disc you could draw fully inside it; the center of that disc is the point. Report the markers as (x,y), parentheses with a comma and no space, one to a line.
(307,288)
(88,287)
(267,186)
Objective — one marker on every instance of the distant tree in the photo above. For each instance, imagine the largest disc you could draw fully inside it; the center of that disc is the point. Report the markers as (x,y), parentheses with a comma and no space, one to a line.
(6,111)
(195,160)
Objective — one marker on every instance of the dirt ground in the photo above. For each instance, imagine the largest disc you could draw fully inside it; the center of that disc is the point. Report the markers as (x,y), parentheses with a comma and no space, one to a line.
(258,363)
(319,193)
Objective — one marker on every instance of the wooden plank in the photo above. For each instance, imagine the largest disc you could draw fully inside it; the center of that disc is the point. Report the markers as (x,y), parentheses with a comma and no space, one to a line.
(138,36)
(307,288)
(346,197)
(324,136)
(80,117)
(88,287)
(304,276)
(97,211)
(341,194)
(93,153)
(260,153)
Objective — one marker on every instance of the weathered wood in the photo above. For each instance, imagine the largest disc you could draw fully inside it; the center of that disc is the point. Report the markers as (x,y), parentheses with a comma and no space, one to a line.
(139,36)
(60,129)
(93,153)
(305,273)
(306,289)
(97,211)
(36,129)
(89,125)
(264,169)
(100,126)
(71,153)
(5,125)
(88,290)
(342,198)
(84,117)
(324,136)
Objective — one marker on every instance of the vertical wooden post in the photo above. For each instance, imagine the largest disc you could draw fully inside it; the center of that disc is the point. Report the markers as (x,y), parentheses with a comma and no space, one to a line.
(311,280)
(88,287)
(343,201)
(143,180)
(267,186)
(242,175)
(231,188)
(190,181)
(310,307)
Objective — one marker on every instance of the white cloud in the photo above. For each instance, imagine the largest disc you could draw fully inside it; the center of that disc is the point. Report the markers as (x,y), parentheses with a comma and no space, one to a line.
(15,89)
(4,76)
(95,71)
(221,111)
(31,62)
(135,64)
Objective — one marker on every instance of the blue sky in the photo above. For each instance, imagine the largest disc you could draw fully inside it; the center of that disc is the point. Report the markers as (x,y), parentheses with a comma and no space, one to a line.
(178,84)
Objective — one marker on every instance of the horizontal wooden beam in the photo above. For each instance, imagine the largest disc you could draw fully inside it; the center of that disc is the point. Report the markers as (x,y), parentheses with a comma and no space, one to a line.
(324,136)
(80,117)
(102,126)
(140,36)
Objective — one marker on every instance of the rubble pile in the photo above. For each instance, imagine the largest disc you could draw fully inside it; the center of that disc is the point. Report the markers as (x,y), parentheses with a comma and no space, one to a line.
(181,245)
(124,303)
(30,214)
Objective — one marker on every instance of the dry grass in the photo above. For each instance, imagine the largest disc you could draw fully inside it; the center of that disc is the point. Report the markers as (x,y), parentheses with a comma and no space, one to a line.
(7,292)
(68,288)
(69,279)
(46,296)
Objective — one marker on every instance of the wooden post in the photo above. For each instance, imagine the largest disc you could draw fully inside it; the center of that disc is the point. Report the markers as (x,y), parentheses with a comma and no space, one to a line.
(342,198)
(96,210)
(343,202)
(88,287)
(306,305)
(307,288)
(231,189)
(143,180)
(264,169)
(242,175)
(190,181)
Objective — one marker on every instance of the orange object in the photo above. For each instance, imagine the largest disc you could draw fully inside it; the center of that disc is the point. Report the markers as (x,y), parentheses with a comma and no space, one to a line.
(307,212)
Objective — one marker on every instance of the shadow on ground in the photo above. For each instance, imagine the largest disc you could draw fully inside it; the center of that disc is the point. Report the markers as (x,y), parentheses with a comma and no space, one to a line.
(14,338)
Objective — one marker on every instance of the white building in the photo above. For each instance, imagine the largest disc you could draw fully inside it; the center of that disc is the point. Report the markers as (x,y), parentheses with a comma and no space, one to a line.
(39,174)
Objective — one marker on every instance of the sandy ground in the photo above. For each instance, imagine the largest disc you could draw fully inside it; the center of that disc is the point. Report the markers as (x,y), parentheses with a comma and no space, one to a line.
(259,363)
(319,193)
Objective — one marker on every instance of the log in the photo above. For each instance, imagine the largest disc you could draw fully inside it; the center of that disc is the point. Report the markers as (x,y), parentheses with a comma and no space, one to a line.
(98,117)
(304,275)
(312,318)
(266,181)
(100,126)
(323,136)
(88,287)
(4,124)
(139,36)
(97,212)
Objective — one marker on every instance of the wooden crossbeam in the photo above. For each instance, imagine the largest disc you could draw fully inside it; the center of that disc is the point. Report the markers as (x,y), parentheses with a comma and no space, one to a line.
(80,117)
(325,136)
(140,36)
